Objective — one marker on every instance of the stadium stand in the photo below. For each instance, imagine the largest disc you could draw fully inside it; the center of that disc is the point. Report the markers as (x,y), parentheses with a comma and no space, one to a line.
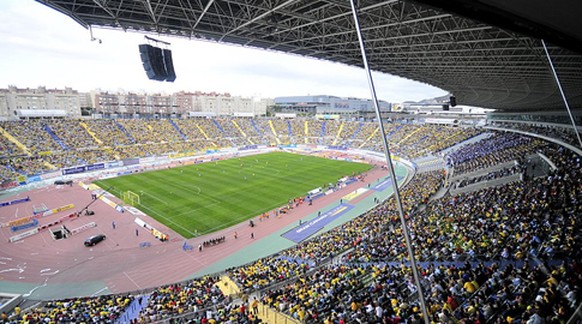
(92,141)
(499,254)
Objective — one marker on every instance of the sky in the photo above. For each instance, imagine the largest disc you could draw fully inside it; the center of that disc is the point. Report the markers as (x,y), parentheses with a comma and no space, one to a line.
(42,47)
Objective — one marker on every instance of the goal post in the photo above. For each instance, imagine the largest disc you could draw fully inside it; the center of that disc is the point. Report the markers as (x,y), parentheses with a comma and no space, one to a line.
(131,198)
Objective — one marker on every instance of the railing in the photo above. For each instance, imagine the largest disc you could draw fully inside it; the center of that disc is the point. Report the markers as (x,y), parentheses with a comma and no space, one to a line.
(271,316)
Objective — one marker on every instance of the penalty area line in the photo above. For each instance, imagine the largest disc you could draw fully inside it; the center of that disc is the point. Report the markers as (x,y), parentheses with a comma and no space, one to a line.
(156,198)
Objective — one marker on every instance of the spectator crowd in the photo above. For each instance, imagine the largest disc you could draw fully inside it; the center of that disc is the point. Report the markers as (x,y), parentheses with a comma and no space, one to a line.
(507,254)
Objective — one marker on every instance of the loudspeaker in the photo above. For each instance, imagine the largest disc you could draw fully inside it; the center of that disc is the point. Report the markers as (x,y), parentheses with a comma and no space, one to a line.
(445,107)
(155,64)
(157,57)
(150,63)
(453,101)
(169,65)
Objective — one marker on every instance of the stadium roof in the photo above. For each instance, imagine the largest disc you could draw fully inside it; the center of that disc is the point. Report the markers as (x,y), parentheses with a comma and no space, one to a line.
(496,61)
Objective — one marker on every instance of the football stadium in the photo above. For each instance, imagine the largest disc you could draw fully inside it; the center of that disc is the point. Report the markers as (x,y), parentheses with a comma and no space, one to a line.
(386,218)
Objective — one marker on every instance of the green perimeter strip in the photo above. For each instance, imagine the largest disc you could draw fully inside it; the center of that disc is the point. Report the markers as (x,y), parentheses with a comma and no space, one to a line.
(274,243)
(55,291)
(13,287)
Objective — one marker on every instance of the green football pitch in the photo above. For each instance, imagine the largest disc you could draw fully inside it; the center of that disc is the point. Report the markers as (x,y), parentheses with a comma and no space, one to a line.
(202,198)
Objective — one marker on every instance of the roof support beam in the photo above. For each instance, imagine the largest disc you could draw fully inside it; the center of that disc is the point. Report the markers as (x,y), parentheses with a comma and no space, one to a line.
(203,13)
(148,5)
(261,16)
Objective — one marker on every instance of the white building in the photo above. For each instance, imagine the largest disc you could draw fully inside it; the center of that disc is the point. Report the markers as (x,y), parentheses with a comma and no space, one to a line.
(178,104)
(226,105)
(40,102)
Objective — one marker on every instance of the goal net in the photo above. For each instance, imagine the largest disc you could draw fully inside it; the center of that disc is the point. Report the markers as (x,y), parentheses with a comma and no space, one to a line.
(131,198)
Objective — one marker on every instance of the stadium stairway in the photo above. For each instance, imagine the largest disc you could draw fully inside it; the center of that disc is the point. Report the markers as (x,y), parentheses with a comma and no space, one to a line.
(91,133)
(322,134)
(274,132)
(132,311)
(202,132)
(265,313)
(434,146)
(256,127)
(289,129)
(178,130)
(355,134)
(339,132)
(121,128)
(49,165)
(270,315)
(218,126)
(305,131)
(236,125)
(15,141)
(394,131)
(55,137)
(227,286)
(369,137)
(440,193)
(259,132)
(409,135)
(226,134)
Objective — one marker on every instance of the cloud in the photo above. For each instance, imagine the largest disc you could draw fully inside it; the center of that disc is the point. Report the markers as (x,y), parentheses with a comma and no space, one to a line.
(41,46)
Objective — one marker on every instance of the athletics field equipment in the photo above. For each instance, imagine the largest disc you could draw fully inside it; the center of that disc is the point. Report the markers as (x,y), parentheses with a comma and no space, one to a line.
(203,198)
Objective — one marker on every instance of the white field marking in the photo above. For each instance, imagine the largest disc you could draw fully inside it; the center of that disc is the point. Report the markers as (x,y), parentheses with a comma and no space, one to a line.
(5,258)
(189,210)
(128,277)
(98,291)
(197,193)
(194,258)
(45,270)
(240,219)
(19,268)
(35,288)
(185,188)
(166,218)
(50,273)
(216,201)
(156,198)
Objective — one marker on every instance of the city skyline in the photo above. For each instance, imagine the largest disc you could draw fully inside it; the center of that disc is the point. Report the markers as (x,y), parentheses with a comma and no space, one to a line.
(42,47)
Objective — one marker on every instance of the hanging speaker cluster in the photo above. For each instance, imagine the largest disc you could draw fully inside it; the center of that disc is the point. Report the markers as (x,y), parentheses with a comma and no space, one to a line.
(157,62)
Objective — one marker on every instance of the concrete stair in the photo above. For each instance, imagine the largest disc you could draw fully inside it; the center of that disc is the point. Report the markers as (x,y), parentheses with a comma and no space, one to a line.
(271,316)
(227,286)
